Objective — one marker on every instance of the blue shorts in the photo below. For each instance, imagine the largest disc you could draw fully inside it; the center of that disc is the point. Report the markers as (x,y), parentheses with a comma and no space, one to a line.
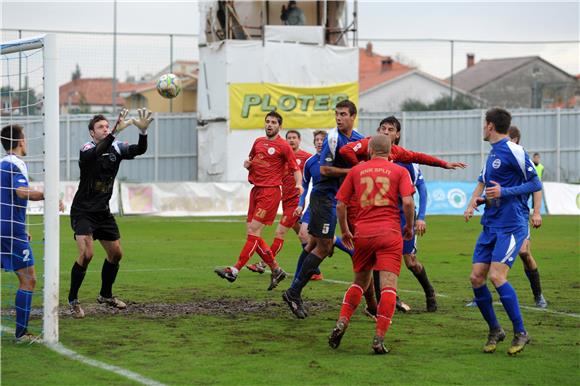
(323,215)
(305,216)
(409,246)
(499,245)
(16,254)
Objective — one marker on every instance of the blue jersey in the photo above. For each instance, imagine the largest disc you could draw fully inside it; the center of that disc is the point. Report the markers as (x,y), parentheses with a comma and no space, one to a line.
(311,172)
(509,165)
(13,175)
(419,183)
(330,156)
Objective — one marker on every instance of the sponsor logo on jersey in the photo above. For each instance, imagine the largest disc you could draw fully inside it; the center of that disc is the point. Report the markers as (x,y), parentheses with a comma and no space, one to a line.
(496,163)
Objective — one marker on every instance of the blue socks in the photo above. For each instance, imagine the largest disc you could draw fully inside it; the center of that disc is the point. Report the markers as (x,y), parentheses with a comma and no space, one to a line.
(299,266)
(338,243)
(509,299)
(23,303)
(483,300)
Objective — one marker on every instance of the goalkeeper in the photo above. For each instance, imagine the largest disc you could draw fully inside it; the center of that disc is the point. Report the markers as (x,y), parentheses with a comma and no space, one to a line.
(91,218)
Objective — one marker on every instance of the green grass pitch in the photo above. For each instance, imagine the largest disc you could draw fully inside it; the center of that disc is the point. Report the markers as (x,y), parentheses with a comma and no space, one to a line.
(184,325)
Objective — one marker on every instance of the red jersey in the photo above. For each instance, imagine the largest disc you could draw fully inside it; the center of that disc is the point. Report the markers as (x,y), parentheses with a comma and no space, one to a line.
(376,185)
(358,151)
(269,161)
(288,183)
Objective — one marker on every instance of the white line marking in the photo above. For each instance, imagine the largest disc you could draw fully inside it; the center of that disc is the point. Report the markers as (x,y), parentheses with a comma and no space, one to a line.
(398,289)
(543,310)
(60,349)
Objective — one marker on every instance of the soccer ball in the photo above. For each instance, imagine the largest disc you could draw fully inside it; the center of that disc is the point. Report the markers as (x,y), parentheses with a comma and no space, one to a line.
(168,86)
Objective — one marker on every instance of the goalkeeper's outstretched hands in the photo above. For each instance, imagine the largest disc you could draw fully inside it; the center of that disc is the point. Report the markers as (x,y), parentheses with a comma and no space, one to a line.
(122,122)
(144,120)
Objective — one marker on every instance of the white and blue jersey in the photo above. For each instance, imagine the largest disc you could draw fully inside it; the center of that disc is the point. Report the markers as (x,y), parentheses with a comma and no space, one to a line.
(311,172)
(15,248)
(330,156)
(505,220)
(410,246)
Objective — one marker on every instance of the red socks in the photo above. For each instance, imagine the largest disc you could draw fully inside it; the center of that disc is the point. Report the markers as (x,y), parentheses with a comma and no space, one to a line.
(386,310)
(266,254)
(352,298)
(277,246)
(247,251)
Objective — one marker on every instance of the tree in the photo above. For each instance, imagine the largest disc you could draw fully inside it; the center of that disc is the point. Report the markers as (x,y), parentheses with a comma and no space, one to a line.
(460,102)
(76,75)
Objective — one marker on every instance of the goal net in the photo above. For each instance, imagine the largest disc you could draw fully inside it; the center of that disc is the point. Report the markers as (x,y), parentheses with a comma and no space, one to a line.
(29,98)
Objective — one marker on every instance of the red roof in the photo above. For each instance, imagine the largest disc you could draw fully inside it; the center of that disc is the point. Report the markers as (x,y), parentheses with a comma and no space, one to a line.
(375,69)
(96,91)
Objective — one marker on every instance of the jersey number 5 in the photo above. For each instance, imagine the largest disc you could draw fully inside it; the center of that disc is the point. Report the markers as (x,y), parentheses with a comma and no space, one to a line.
(380,198)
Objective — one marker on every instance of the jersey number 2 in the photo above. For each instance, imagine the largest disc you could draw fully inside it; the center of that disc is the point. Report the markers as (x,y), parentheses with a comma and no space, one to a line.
(380,198)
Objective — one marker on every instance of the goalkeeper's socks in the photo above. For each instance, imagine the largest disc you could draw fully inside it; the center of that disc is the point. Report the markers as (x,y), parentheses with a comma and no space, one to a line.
(247,251)
(277,246)
(509,299)
(23,303)
(77,275)
(386,310)
(338,243)
(108,275)
(483,300)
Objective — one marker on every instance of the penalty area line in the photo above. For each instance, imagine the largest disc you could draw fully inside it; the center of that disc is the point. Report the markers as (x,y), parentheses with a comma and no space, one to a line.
(68,353)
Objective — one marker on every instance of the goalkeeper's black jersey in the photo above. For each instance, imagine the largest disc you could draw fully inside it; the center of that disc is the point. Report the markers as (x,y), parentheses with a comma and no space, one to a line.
(99,165)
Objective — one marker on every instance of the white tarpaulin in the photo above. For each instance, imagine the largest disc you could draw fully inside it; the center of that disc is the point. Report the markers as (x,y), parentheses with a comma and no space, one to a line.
(294,33)
(562,198)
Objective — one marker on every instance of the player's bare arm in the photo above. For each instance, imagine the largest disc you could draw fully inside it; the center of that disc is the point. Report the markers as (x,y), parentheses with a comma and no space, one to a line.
(26,193)
(298,179)
(347,237)
(409,212)
(333,171)
(536,216)
(456,165)
(473,201)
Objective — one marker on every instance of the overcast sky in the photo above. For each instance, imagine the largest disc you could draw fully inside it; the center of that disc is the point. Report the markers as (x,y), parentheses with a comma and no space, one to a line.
(465,20)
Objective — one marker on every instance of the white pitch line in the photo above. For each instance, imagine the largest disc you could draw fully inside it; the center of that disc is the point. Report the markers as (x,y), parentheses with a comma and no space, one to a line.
(398,289)
(60,349)
(547,310)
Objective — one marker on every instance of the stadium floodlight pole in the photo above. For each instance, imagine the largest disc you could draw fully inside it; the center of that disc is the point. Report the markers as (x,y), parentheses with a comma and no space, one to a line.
(451,80)
(51,192)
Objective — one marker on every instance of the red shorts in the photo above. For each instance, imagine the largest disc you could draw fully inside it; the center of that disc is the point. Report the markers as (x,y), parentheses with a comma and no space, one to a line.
(289,205)
(379,253)
(264,202)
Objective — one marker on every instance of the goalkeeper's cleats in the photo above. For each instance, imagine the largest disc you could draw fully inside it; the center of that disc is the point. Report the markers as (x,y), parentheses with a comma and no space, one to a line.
(27,338)
(112,302)
(76,310)
(495,336)
(295,304)
(259,267)
(337,333)
(379,345)
(278,275)
(518,343)
(431,303)
(541,302)
(226,273)
(402,306)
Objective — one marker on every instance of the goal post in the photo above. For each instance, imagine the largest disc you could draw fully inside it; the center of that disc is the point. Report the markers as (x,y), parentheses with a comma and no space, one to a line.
(50,171)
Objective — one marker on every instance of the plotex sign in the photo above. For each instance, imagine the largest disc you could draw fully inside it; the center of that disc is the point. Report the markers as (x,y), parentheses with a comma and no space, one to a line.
(300,107)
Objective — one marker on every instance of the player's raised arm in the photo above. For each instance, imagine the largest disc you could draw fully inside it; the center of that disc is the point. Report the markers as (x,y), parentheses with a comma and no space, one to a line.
(355,152)
(326,162)
(400,154)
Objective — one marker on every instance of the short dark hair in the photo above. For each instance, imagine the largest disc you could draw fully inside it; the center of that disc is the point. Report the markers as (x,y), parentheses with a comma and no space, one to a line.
(392,121)
(95,119)
(11,134)
(501,119)
(347,104)
(293,132)
(514,133)
(275,115)
(319,132)
(536,154)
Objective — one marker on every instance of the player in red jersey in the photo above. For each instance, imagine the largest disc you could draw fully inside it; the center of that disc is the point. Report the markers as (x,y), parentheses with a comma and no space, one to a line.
(290,199)
(377,186)
(267,162)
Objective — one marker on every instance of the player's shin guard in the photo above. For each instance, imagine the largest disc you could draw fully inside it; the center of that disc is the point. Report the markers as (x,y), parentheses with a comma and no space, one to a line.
(266,254)
(534,278)
(509,299)
(386,310)
(350,302)
(77,275)
(23,304)
(277,245)
(339,244)
(247,251)
(483,300)
(108,276)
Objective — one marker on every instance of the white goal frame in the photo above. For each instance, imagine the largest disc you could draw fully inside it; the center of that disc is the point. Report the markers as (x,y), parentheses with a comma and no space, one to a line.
(51,177)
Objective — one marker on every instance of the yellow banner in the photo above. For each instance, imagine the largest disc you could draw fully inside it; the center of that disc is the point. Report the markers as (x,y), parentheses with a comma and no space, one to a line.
(300,107)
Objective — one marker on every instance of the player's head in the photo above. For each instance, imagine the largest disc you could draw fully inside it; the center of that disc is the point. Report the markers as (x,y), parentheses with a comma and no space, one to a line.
(392,127)
(319,137)
(345,114)
(293,138)
(514,134)
(273,124)
(536,158)
(380,146)
(496,120)
(13,139)
(99,128)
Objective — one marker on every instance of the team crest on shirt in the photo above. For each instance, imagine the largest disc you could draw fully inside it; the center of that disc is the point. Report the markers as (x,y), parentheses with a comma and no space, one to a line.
(271,150)
(298,161)
(496,163)
(112,157)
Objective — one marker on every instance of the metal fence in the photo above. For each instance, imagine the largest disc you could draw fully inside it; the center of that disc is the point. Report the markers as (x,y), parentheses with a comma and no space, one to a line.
(457,136)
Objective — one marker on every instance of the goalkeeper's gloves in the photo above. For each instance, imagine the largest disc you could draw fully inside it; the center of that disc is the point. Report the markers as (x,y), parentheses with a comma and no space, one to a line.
(144,120)
(122,122)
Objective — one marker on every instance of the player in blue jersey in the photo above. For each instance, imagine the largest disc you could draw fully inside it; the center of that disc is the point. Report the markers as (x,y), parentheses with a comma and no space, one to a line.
(333,168)
(16,252)
(507,179)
